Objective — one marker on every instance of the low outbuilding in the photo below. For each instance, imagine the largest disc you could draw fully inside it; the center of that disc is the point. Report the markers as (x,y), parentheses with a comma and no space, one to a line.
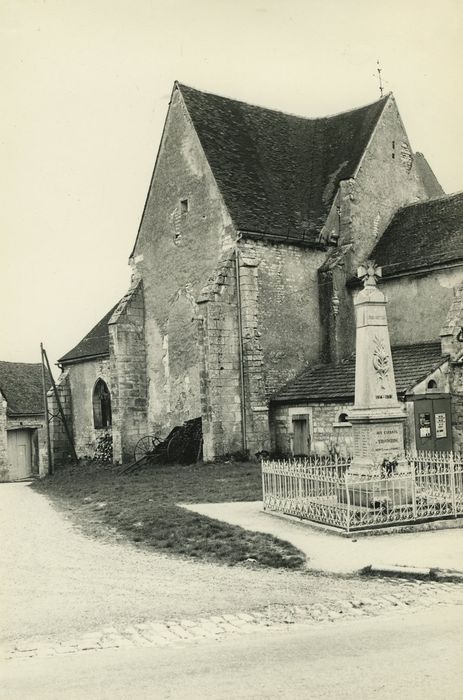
(23,441)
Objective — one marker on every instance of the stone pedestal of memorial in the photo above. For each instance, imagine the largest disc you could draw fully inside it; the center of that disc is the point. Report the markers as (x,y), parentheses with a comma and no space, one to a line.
(377,417)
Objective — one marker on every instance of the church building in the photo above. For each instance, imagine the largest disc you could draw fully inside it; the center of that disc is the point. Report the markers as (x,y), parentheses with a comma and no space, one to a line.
(240,310)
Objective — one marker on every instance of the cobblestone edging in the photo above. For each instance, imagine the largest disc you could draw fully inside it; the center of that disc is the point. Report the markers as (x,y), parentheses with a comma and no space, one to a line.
(407,595)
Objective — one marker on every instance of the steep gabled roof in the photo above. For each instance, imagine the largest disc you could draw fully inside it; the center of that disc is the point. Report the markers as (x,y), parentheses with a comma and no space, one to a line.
(422,235)
(431,184)
(95,343)
(21,385)
(331,383)
(278,173)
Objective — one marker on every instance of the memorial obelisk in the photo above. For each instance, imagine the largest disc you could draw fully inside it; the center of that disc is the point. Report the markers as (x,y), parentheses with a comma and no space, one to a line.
(377,417)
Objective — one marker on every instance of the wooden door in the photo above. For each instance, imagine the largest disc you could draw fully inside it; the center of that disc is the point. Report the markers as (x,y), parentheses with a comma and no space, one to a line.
(300,435)
(19,453)
(433,428)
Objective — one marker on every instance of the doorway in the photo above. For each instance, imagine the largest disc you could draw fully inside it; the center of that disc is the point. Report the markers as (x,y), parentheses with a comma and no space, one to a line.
(433,428)
(19,443)
(300,434)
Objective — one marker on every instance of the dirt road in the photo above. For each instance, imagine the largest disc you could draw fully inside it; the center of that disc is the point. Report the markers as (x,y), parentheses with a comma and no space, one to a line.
(57,583)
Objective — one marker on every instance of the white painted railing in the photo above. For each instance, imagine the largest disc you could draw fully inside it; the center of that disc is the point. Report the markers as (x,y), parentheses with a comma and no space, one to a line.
(322,489)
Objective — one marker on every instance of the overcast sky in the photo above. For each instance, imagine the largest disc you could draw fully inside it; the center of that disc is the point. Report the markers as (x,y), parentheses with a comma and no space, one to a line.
(86,84)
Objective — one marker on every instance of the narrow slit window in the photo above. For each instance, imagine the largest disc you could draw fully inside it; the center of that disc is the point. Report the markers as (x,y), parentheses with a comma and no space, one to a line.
(184,206)
(101,405)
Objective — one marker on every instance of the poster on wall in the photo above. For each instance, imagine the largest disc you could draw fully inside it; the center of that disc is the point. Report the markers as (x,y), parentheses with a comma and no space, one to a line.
(441,425)
(425,425)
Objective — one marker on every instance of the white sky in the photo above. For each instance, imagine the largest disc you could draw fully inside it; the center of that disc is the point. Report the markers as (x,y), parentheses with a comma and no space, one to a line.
(86,85)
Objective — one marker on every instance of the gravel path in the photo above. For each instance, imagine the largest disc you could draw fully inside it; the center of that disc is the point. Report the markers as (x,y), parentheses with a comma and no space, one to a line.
(57,582)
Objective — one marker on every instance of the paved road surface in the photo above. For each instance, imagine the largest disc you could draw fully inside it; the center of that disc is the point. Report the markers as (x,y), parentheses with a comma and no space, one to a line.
(417,656)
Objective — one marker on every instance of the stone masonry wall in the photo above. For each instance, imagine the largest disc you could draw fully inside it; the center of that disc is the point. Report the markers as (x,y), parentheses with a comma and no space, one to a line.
(219,357)
(416,304)
(456,388)
(82,379)
(327,434)
(60,448)
(3,440)
(281,324)
(387,179)
(128,372)
(184,230)
(452,346)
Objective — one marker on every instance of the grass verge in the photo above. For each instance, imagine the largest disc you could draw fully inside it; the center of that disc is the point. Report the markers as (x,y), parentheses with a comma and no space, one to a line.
(142,507)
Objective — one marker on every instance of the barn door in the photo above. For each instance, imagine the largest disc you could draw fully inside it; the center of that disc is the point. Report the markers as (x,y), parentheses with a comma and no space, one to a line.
(19,453)
(432,424)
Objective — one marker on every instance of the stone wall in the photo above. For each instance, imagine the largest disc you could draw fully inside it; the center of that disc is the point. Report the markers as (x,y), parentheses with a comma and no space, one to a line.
(220,363)
(81,380)
(61,450)
(417,303)
(3,440)
(184,230)
(328,434)
(456,388)
(280,324)
(128,372)
(386,180)
(453,346)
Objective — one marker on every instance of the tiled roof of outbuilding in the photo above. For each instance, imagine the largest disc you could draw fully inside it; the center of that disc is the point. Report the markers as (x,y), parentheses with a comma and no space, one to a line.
(330,383)
(422,235)
(95,343)
(21,385)
(278,173)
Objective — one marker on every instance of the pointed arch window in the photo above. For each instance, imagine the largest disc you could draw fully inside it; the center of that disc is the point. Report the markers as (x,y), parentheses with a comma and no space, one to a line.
(101,405)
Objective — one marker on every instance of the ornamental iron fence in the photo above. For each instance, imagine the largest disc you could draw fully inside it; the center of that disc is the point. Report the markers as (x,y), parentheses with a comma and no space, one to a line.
(323,490)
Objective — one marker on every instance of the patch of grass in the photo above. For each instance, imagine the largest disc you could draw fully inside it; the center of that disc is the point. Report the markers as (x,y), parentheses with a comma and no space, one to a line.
(142,507)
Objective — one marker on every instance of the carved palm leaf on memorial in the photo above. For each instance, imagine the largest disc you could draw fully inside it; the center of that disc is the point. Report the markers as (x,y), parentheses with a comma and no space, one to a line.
(381,361)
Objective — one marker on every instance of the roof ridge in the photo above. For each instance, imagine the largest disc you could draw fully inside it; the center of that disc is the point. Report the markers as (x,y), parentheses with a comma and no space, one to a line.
(419,343)
(280,111)
(421,202)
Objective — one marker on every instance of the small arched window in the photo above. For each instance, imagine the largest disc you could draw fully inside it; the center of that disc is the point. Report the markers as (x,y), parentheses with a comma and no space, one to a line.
(432,385)
(101,405)
(343,418)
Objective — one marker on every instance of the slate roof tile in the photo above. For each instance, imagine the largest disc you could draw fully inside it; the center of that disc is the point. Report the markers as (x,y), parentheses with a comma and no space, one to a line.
(95,343)
(329,383)
(21,385)
(421,235)
(278,173)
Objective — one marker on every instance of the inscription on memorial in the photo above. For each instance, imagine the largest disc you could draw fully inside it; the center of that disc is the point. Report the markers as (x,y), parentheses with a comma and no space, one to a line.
(361,441)
(388,439)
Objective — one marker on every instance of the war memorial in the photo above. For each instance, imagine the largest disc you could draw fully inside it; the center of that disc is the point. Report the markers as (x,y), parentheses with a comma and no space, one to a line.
(381,484)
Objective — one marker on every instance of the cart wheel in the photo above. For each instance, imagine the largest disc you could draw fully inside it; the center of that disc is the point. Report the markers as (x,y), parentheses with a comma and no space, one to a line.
(145,446)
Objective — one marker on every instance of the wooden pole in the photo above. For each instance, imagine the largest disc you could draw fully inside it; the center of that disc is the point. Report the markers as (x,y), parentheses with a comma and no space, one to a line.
(60,408)
(47,415)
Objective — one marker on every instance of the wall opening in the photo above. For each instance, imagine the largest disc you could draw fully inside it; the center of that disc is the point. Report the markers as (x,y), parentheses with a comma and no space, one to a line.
(301,435)
(101,405)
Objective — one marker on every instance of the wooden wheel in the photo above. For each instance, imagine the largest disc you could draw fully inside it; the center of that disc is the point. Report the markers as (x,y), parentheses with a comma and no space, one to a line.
(146,446)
